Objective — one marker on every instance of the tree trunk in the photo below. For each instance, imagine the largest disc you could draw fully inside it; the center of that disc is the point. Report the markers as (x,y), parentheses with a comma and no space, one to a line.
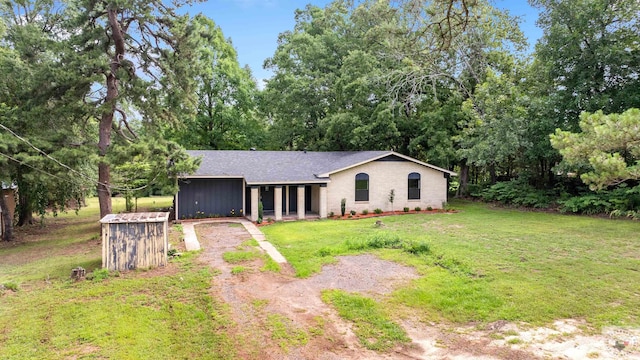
(464,179)
(106,121)
(7,233)
(104,192)
(493,177)
(25,211)
(104,169)
(551,176)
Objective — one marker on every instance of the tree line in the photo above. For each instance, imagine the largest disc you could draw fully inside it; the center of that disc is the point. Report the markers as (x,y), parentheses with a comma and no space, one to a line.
(103,97)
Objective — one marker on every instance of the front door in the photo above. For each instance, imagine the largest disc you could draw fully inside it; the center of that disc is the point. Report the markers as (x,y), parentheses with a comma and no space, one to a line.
(266,196)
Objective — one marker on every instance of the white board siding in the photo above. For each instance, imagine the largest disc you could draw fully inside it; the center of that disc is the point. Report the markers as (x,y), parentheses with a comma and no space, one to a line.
(384,176)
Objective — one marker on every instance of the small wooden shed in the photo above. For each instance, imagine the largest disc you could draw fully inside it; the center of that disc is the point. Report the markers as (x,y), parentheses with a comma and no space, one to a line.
(135,240)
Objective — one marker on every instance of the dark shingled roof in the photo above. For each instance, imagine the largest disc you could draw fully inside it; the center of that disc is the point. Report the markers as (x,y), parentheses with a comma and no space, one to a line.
(279,166)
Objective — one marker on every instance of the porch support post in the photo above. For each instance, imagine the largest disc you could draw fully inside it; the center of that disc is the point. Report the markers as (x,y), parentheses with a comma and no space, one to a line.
(277,198)
(286,200)
(301,202)
(175,204)
(244,198)
(255,198)
(323,201)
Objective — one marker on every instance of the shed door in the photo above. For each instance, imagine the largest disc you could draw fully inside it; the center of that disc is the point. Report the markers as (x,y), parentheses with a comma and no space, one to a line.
(122,247)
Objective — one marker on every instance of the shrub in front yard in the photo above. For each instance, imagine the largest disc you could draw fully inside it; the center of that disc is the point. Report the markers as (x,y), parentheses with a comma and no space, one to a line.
(417,208)
(343,206)
(365,212)
(622,201)
(353,212)
(379,240)
(325,251)
(417,248)
(378,211)
(98,275)
(10,285)
(517,192)
(405,209)
(384,240)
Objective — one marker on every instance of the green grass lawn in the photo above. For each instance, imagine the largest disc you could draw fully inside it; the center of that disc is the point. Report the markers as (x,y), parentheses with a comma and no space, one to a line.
(139,315)
(66,241)
(488,264)
(480,264)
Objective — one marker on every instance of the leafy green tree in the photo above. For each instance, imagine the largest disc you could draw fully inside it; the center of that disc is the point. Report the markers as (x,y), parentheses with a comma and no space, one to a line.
(44,146)
(497,135)
(325,93)
(150,164)
(454,42)
(589,55)
(87,73)
(226,99)
(587,60)
(375,76)
(142,57)
(608,148)
(432,132)
(305,64)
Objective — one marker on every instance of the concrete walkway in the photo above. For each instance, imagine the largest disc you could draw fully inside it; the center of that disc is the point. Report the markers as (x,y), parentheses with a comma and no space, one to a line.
(191,239)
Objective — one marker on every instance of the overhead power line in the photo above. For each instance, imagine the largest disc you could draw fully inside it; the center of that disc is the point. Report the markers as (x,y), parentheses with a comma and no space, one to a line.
(33,167)
(50,157)
(87,177)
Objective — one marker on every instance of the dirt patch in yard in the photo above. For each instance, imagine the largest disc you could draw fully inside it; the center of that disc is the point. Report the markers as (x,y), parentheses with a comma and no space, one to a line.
(278,316)
(258,297)
(37,242)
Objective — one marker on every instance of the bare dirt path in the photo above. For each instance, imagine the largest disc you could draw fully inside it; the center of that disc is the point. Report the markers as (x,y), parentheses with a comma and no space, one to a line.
(278,316)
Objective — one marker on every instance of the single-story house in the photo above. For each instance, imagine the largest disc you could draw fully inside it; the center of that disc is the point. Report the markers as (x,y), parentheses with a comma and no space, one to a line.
(296,183)
(8,193)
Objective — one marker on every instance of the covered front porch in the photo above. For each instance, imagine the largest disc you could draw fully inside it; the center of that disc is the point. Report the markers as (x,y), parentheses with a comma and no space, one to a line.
(288,201)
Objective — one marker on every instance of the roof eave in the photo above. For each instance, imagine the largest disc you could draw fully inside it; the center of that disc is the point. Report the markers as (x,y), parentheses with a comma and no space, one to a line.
(425,164)
(288,182)
(258,182)
(211,177)
(374,158)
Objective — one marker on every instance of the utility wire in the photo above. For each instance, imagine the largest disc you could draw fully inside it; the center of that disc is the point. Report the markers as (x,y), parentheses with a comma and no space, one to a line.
(33,167)
(50,157)
(66,166)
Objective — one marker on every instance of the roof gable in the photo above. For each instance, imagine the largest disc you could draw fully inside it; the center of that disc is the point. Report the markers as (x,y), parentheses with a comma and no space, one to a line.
(391,156)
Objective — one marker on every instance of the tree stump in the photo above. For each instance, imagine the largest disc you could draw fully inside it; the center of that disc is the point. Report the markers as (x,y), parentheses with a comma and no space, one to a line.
(78,273)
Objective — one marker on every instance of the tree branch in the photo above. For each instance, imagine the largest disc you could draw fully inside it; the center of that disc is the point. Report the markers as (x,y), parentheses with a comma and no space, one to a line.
(124,121)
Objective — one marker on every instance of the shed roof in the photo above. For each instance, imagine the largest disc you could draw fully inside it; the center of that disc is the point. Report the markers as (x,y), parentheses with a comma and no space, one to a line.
(265,167)
(142,217)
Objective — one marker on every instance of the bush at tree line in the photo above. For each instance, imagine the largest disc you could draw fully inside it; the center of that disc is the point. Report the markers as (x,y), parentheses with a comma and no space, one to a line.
(623,201)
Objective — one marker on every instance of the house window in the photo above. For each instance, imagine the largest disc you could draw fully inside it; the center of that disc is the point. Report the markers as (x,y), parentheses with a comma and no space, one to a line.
(414,186)
(362,187)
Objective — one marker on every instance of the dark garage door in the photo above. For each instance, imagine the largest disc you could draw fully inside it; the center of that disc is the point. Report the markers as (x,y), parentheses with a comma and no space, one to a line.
(209,197)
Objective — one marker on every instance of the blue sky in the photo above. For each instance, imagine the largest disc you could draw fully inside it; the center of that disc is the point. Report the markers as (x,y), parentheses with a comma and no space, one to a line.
(254,25)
